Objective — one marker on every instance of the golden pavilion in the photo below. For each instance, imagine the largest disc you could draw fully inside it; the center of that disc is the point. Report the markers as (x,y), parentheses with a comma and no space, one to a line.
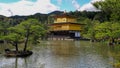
(65,27)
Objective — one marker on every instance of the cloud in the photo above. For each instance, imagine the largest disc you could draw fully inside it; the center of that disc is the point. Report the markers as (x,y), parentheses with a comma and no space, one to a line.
(89,6)
(92,1)
(27,7)
(75,4)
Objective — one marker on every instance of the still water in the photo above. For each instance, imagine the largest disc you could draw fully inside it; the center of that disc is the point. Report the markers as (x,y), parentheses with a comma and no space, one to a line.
(64,54)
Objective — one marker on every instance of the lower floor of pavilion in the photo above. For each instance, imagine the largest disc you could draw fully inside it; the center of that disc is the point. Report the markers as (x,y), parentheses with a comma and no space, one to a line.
(64,35)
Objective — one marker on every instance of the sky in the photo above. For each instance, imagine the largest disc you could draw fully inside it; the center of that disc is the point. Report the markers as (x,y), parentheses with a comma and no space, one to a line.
(30,7)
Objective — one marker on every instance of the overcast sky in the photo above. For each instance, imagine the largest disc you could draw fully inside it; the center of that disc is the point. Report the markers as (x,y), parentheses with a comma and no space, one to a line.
(29,7)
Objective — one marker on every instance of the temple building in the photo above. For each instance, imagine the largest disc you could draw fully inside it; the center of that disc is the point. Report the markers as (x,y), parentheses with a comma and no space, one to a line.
(65,27)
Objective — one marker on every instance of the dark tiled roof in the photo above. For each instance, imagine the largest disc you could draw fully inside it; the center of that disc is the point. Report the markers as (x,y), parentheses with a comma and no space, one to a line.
(67,23)
(64,15)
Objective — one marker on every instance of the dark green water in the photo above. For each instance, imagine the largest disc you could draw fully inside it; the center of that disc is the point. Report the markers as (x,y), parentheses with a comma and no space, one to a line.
(64,54)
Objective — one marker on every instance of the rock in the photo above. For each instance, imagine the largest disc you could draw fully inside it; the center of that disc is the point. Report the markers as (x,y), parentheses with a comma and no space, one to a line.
(18,53)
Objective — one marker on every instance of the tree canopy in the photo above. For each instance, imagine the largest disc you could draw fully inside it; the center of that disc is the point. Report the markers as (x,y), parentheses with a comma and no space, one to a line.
(27,30)
(110,7)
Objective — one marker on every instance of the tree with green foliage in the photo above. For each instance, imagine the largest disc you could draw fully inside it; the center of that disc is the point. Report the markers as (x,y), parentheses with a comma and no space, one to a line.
(108,30)
(27,30)
(4,24)
(110,7)
(14,36)
(89,28)
(102,30)
(32,28)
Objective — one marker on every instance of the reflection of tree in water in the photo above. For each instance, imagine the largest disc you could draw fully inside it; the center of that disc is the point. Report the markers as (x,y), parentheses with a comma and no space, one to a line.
(67,48)
(115,53)
(17,62)
(26,64)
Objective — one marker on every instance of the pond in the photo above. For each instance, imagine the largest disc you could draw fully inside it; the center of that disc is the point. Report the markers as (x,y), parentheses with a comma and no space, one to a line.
(64,54)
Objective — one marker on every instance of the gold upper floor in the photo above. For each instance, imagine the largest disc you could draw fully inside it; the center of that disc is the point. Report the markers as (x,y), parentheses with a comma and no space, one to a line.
(66,26)
(63,20)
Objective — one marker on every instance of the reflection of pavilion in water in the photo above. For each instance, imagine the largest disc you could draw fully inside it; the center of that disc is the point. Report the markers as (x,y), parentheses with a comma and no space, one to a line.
(65,49)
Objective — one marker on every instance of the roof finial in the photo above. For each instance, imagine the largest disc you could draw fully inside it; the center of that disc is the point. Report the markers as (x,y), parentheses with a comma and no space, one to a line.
(9,10)
(65,12)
